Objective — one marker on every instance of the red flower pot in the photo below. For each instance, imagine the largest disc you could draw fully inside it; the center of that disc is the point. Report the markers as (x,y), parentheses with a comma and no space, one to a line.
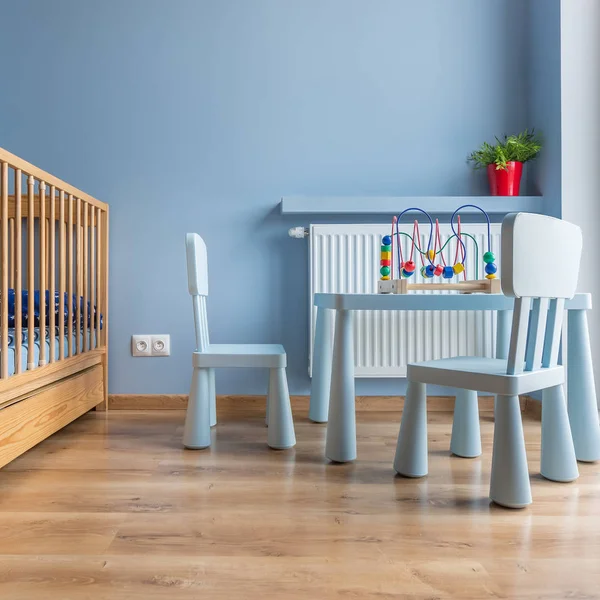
(505,182)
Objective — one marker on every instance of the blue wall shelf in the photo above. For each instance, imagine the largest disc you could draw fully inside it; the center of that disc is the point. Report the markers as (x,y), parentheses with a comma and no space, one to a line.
(389,205)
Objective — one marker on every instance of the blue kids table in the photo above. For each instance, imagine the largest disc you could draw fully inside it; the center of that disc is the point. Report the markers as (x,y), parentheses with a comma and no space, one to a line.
(332,393)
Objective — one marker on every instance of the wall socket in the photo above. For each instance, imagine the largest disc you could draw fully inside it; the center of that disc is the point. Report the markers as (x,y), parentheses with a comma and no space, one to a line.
(151,345)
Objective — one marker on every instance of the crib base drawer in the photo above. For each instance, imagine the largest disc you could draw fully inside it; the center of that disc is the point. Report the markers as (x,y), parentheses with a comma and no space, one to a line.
(31,420)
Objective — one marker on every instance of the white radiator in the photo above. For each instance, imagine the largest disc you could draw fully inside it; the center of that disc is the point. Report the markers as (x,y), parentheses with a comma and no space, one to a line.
(345,258)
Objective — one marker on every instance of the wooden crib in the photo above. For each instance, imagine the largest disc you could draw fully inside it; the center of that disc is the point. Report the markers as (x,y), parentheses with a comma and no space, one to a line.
(53,304)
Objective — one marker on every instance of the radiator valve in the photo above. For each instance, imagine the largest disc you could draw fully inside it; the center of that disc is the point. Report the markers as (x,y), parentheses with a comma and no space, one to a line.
(298,232)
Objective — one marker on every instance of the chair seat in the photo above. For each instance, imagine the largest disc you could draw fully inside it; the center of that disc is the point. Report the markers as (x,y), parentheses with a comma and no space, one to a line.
(270,356)
(483,375)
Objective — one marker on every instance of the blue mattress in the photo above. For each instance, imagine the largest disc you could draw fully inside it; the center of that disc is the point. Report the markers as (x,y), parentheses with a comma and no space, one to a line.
(29,309)
(36,349)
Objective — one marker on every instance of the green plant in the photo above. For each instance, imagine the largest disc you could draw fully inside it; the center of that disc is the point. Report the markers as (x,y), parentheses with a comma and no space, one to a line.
(520,148)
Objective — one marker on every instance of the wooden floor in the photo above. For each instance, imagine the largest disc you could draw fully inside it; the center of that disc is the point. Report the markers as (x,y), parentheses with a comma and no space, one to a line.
(112,507)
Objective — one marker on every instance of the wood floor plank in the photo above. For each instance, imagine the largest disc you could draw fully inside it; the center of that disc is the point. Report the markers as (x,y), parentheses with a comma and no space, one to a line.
(222,578)
(128,578)
(51,533)
(113,507)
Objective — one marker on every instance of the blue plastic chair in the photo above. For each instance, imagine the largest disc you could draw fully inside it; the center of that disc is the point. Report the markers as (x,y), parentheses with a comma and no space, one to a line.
(540,267)
(201,412)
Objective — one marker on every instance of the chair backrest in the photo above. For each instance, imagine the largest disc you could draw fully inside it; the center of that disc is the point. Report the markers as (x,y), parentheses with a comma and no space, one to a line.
(197,264)
(197,272)
(540,269)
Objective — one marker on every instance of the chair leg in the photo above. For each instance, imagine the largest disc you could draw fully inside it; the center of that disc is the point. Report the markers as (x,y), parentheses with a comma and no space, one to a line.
(510,485)
(466,437)
(196,433)
(411,450)
(213,397)
(558,451)
(281,423)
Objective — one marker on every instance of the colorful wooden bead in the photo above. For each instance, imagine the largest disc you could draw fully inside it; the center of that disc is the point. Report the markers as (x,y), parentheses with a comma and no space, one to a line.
(385,263)
(387,248)
(406,273)
(491,268)
(386,256)
(489,257)
(384,271)
(427,271)
(438,270)
(385,278)
(409,266)
(431,255)
(448,273)
(458,268)
(386,240)
(490,276)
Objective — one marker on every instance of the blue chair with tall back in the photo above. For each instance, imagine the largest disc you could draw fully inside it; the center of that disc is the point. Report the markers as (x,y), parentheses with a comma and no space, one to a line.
(201,412)
(540,268)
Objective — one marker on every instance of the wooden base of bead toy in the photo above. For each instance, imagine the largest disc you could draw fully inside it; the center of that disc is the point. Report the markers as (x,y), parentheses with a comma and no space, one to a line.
(476,286)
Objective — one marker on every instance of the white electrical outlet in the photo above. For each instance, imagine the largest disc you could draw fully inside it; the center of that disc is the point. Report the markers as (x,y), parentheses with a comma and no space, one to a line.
(161,345)
(141,345)
(151,345)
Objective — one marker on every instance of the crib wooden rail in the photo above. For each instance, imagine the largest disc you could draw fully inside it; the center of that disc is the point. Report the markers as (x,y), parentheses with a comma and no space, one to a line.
(54,242)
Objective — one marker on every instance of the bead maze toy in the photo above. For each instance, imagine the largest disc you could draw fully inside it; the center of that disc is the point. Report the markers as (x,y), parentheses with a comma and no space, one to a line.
(433,263)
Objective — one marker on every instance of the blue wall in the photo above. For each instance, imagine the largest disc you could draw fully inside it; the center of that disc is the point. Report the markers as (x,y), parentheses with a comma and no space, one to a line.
(543,98)
(199,114)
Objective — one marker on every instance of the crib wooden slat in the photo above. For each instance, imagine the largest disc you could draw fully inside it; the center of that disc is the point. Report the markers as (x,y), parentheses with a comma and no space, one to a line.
(62,274)
(90,329)
(85,273)
(52,273)
(69,265)
(105,278)
(4,298)
(47,234)
(30,272)
(99,276)
(18,271)
(105,284)
(42,268)
(11,253)
(78,280)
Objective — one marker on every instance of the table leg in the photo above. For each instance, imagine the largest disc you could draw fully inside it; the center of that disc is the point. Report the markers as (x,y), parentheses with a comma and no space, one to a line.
(340,444)
(466,435)
(321,367)
(581,391)
(213,397)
